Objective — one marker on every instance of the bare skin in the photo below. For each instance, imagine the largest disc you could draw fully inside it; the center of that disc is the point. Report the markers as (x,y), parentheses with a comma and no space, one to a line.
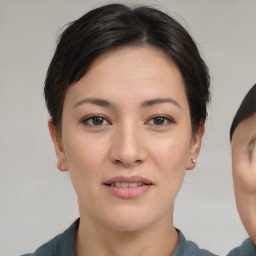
(244,173)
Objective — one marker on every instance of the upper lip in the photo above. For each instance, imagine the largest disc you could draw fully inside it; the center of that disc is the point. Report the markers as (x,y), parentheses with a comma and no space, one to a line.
(132,179)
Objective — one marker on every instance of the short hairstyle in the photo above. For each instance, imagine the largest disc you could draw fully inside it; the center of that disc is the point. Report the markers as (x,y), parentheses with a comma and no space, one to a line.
(246,109)
(115,26)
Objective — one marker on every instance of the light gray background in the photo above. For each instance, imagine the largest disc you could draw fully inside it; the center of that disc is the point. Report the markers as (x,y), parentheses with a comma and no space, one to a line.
(36,200)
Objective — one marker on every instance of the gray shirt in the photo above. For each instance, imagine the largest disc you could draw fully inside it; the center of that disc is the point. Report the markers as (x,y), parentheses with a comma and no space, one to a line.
(64,245)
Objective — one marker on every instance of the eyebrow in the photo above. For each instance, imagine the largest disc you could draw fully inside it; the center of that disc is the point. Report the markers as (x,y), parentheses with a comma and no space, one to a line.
(146,103)
(149,103)
(95,101)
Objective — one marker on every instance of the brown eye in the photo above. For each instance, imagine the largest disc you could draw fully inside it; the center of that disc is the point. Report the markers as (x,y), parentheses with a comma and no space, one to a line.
(95,121)
(160,120)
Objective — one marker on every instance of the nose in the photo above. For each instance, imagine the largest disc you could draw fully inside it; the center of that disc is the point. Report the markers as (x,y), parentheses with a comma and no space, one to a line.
(127,146)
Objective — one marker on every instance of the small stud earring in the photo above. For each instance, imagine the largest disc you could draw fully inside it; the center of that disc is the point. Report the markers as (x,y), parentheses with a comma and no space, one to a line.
(193,161)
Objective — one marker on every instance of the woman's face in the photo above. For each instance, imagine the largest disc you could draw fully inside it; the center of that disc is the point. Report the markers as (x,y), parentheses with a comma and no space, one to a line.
(126,138)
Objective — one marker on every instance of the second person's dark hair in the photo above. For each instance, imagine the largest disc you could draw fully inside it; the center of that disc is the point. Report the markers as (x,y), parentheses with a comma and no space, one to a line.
(115,26)
(246,109)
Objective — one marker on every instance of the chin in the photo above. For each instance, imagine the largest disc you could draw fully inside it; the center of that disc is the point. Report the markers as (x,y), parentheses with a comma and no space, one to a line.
(129,226)
(130,221)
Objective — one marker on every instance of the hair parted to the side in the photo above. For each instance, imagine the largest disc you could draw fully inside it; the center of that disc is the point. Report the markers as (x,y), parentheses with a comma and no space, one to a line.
(115,26)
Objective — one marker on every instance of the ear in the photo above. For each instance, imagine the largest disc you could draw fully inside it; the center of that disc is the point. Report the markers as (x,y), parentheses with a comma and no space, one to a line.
(61,157)
(195,146)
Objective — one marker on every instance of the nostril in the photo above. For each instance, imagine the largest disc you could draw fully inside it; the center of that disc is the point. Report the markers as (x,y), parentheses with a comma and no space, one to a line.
(127,163)
(127,151)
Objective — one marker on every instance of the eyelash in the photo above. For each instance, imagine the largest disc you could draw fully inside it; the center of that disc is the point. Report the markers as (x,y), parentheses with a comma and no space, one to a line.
(92,118)
(87,120)
(167,120)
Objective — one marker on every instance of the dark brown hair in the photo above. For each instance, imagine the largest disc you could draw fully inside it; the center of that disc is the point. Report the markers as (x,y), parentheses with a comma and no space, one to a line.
(246,109)
(114,26)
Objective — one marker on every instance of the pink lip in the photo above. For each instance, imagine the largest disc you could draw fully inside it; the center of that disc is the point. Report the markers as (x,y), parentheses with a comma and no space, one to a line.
(131,179)
(128,193)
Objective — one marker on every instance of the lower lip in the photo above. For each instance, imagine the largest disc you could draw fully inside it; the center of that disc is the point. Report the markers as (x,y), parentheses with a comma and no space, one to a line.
(129,193)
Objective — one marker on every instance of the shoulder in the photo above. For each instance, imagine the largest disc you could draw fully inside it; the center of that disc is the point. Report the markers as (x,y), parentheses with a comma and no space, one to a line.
(50,248)
(247,248)
(61,245)
(189,248)
(192,249)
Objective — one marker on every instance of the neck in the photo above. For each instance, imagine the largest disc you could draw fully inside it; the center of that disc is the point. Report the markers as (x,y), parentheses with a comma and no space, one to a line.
(93,239)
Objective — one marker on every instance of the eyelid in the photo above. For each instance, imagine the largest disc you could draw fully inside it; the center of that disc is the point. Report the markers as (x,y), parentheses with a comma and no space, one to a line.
(169,119)
(86,119)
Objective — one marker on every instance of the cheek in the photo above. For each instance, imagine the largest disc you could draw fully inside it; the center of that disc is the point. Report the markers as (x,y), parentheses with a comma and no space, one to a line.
(171,152)
(171,156)
(85,161)
(85,157)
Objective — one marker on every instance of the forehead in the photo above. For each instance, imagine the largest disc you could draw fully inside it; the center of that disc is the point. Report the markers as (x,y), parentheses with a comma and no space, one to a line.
(130,73)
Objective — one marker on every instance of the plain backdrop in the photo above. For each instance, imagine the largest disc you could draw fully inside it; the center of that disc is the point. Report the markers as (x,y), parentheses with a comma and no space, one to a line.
(37,201)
